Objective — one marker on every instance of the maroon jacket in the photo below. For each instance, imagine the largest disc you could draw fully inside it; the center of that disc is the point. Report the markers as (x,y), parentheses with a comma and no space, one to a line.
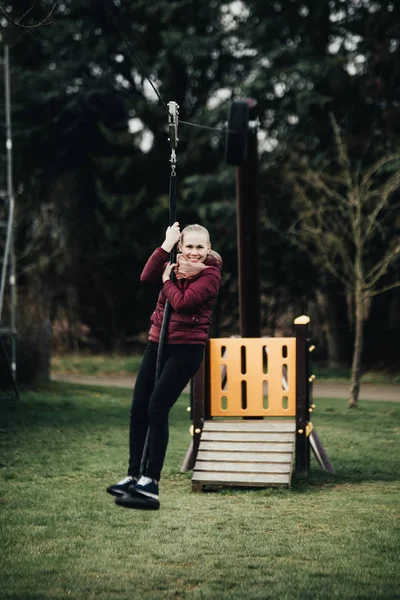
(191,300)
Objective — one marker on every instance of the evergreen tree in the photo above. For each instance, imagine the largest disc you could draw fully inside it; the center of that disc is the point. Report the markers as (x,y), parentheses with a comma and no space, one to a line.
(92,154)
(313,58)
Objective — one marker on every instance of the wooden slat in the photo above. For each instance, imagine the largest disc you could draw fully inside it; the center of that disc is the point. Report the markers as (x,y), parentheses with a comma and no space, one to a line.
(247,446)
(227,436)
(246,479)
(287,425)
(276,457)
(223,467)
(245,453)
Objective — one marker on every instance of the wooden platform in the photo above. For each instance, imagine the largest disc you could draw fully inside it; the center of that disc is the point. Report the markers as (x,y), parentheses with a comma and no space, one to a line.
(256,453)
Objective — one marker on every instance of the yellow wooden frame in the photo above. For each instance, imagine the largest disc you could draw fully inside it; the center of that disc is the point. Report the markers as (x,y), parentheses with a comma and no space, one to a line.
(253,393)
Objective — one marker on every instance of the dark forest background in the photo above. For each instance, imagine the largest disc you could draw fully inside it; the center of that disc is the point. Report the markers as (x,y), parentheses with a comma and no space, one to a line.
(91,157)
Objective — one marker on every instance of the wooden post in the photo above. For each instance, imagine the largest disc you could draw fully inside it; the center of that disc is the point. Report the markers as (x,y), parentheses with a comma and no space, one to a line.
(200,401)
(207,388)
(197,408)
(200,409)
(302,461)
(248,219)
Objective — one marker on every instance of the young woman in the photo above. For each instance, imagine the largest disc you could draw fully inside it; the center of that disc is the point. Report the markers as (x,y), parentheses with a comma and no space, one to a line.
(191,294)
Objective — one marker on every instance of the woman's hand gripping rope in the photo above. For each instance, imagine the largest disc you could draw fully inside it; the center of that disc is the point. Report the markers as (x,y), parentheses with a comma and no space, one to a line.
(167,271)
(172,236)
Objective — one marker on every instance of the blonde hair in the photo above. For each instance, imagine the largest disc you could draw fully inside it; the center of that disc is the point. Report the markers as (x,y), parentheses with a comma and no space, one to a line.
(195,227)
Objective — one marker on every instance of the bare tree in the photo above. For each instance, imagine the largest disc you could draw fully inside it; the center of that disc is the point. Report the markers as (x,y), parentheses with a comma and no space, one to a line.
(341,214)
(18,22)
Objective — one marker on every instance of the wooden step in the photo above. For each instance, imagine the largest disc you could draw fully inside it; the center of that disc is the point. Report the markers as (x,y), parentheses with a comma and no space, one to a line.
(246,457)
(251,436)
(242,479)
(229,467)
(248,453)
(272,426)
(245,446)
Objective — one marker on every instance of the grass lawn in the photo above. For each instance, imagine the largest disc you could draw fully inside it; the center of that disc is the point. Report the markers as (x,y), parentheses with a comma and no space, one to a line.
(94,364)
(61,535)
(106,364)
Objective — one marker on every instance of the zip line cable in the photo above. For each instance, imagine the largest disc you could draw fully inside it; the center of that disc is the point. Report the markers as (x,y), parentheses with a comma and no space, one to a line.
(135,58)
(146,75)
(225,130)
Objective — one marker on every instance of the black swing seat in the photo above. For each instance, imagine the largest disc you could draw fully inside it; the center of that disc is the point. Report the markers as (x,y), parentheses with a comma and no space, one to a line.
(138,502)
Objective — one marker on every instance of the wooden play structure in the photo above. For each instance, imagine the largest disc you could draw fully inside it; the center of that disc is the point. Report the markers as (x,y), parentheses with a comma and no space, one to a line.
(251,400)
(251,411)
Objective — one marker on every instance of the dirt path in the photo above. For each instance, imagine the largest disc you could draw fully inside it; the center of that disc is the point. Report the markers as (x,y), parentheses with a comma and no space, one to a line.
(368,391)
(388,393)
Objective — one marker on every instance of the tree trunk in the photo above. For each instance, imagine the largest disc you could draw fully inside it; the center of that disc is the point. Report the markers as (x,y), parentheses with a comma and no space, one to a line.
(34,339)
(357,351)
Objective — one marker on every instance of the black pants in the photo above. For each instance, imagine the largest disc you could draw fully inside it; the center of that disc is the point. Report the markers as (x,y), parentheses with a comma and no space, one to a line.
(152,401)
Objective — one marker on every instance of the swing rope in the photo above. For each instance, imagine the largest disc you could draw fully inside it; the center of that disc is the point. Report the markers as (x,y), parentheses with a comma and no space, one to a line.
(173,130)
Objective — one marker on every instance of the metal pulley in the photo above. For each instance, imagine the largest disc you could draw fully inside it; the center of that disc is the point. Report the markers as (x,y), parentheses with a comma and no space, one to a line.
(173,119)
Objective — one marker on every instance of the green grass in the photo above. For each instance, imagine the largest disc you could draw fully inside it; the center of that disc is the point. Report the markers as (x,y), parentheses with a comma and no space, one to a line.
(112,364)
(94,364)
(343,375)
(61,535)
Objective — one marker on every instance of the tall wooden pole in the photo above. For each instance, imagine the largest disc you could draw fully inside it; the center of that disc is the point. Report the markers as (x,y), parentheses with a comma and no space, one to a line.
(302,463)
(248,218)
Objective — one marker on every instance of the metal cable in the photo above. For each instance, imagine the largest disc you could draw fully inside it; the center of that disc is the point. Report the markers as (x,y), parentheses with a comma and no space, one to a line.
(224,130)
(135,58)
(146,75)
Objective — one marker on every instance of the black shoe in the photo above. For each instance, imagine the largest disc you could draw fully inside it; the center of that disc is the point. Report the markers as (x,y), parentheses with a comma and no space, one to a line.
(145,487)
(121,488)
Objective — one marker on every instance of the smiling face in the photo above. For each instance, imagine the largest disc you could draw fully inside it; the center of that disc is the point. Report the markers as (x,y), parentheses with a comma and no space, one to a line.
(195,246)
